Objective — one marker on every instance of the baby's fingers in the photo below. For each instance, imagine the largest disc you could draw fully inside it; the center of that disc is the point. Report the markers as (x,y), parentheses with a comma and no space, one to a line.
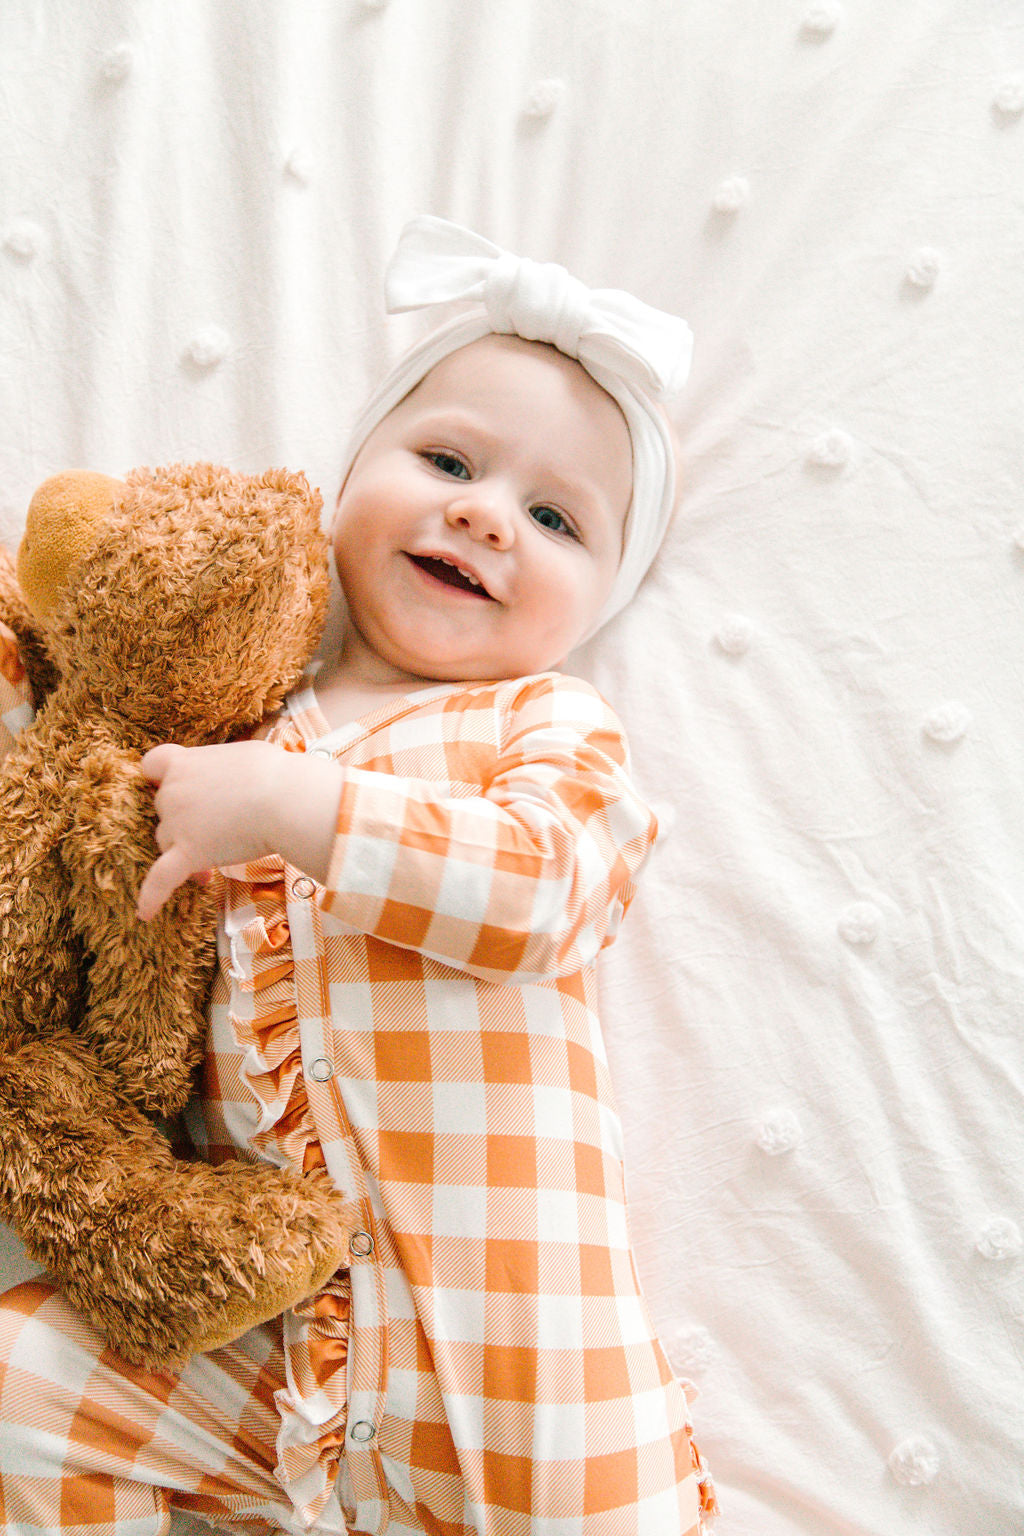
(157,760)
(169,871)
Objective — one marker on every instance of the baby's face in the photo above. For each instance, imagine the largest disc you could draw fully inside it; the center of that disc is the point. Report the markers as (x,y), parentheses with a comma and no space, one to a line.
(480,527)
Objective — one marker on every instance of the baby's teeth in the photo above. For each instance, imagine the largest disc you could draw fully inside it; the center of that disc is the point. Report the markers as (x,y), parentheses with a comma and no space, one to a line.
(468,574)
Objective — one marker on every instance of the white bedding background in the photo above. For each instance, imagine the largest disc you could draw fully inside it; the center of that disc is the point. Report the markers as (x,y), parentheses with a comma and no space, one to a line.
(814,1009)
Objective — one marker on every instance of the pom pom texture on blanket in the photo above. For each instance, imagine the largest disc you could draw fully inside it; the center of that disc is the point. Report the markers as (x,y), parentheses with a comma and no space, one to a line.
(813,1011)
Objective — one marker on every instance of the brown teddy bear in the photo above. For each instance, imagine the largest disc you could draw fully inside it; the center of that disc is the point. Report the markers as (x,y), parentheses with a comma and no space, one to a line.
(179,605)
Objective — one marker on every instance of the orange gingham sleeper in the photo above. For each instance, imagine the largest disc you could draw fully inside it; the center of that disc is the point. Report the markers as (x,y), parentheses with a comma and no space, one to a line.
(425,1025)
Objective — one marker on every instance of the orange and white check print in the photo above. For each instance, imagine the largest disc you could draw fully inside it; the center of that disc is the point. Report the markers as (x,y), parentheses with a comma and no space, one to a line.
(426,1026)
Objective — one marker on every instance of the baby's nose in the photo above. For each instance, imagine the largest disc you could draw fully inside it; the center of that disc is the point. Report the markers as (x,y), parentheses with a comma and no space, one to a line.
(482,512)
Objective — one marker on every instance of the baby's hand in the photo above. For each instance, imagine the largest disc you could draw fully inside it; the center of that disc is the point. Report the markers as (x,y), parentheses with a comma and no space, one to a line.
(212,805)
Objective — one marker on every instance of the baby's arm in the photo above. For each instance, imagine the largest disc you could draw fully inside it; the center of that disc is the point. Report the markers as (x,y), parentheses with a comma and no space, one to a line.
(527,878)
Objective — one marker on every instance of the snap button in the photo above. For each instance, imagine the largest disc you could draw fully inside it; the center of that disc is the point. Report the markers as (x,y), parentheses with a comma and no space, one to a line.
(321,1069)
(303,887)
(320,752)
(360,1244)
(362,1430)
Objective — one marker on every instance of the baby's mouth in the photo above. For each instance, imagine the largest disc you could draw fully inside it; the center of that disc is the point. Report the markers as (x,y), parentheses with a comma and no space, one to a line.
(444,571)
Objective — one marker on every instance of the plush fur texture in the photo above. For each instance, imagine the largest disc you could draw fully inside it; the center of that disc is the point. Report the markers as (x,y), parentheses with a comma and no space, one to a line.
(186,618)
(14,612)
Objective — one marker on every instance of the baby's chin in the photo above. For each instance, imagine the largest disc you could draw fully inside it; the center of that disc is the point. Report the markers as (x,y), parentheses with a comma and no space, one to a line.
(413,647)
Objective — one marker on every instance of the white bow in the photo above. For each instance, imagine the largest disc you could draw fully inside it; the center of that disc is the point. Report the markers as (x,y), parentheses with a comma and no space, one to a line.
(437,262)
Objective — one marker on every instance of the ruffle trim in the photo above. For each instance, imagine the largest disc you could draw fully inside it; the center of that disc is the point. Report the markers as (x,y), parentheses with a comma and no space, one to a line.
(313,1406)
(264,1018)
(705,1485)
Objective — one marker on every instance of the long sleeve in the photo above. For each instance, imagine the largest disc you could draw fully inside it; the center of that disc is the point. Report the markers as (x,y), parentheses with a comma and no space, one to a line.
(527,877)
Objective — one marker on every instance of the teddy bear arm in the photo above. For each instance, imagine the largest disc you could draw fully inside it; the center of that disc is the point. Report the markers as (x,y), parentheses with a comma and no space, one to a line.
(41,984)
(148,983)
(40,958)
(72,951)
(145,1011)
(167,1257)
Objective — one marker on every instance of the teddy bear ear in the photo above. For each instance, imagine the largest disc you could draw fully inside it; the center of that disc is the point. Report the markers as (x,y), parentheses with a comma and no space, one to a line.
(65,518)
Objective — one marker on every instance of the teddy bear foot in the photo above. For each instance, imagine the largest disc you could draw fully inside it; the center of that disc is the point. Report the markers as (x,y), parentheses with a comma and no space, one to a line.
(270,1298)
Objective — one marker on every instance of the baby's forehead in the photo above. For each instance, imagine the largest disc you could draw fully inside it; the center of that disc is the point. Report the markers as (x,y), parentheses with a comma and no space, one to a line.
(499,358)
(551,421)
(507,368)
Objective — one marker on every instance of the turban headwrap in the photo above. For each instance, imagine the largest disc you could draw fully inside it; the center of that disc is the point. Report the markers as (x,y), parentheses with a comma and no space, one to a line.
(639,355)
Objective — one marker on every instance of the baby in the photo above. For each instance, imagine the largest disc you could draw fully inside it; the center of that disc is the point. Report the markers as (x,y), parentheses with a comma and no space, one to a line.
(417,888)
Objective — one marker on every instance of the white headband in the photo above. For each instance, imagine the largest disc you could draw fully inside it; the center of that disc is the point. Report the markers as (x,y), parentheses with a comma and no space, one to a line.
(639,355)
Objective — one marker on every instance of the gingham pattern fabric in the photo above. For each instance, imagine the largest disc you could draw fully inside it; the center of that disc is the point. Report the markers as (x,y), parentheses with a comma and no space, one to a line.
(89,1444)
(426,1025)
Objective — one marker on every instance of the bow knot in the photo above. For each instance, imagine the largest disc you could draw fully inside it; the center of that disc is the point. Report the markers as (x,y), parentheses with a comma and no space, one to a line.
(539,301)
(437,262)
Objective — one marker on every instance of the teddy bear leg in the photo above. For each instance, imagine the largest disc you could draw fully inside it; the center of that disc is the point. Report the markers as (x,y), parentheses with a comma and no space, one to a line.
(276,1292)
(212,1252)
(168,1257)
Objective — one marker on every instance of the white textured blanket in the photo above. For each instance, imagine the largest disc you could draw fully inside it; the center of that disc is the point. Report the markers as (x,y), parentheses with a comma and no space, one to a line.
(814,1009)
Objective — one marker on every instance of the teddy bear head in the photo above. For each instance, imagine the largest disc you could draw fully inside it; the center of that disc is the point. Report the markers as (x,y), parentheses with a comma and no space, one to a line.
(182,602)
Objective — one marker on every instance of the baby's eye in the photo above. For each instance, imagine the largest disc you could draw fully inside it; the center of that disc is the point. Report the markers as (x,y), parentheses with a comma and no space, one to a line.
(447,463)
(550,517)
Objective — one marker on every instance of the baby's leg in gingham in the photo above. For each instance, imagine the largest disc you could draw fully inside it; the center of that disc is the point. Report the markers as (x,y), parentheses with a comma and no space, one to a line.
(90,1445)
